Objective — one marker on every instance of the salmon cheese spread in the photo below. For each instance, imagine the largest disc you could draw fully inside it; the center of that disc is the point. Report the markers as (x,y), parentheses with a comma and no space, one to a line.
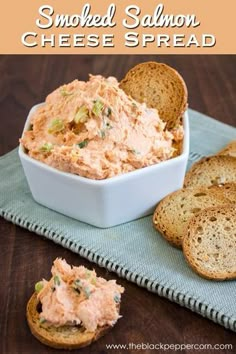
(76,296)
(93,129)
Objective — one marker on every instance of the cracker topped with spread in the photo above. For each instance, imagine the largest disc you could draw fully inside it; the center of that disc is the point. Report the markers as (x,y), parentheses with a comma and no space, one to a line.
(74,308)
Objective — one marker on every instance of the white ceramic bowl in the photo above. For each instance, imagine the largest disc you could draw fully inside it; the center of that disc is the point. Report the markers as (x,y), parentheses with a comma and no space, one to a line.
(109,202)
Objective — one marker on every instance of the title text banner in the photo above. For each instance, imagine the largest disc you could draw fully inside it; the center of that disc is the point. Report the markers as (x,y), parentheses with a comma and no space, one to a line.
(117,27)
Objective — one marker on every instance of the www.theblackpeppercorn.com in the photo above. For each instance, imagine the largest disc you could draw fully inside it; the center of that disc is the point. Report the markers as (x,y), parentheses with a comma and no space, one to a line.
(132,20)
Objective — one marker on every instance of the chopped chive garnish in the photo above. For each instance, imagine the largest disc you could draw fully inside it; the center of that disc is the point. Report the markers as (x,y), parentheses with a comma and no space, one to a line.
(77,285)
(47,147)
(56,280)
(117,298)
(56,126)
(97,107)
(88,273)
(81,115)
(42,320)
(65,93)
(136,152)
(93,281)
(77,282)
(38,286)
(102,133)
(108,111)
(83,143)
(77,290)
(87,292)
(108,125)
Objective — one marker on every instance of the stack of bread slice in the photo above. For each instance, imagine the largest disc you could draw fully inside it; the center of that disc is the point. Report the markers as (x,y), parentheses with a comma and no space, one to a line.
(174,212)
(201,217)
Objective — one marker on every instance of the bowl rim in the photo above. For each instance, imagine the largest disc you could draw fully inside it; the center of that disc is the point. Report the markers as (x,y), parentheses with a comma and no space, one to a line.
(110,180)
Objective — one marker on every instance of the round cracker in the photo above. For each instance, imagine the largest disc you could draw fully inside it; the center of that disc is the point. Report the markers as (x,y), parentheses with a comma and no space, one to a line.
(63,337)
(160,87)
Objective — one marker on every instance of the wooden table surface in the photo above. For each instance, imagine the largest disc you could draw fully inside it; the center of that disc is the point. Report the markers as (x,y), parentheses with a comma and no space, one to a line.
(26,257)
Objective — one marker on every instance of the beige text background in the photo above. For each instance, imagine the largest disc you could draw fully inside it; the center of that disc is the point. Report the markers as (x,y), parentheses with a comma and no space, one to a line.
(216,17)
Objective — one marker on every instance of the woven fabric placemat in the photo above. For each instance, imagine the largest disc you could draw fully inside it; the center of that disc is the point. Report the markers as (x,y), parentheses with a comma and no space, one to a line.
(133,250)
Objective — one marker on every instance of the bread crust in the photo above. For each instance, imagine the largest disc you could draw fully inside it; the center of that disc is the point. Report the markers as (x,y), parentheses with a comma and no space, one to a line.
(173,213)
(229,149)
(161,87)
(211,170)
(65,337)
(193,243)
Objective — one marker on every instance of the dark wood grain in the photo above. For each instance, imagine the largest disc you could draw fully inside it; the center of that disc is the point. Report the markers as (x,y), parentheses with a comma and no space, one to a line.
(25,257)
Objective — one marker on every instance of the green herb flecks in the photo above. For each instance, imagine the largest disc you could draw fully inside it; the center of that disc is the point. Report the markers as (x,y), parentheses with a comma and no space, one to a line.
(108,125)
(117,298)
(108,111)
(46,148)
(42,320)
(134,151)
(77,282)
(65,93)
(97,108)
(77,290)
(81,115)
(57,281)
(83,144)
(77,285)
(56,126)
(38,286)
(102,133)
(87,273)
(87,292)
(93,281)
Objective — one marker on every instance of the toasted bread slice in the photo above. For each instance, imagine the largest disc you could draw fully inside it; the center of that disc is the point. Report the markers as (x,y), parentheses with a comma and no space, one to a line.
(229,149)
(227,190)
(173,213)
(211,171)
(160,87)
(210,244)
(64,337)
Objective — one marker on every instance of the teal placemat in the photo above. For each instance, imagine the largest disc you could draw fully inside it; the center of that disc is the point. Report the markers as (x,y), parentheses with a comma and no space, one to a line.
(133,250)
